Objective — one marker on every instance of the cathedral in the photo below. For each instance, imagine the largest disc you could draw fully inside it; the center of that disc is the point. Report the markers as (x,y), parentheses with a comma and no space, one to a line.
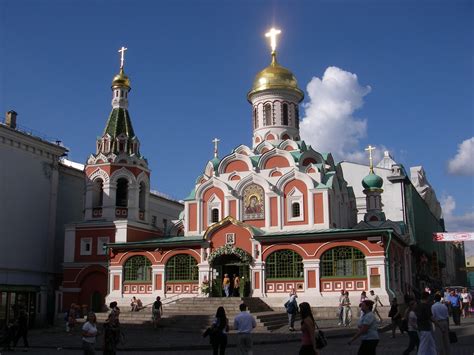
(278,213)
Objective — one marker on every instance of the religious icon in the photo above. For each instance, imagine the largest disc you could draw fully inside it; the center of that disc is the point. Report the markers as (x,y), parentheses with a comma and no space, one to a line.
(253,202)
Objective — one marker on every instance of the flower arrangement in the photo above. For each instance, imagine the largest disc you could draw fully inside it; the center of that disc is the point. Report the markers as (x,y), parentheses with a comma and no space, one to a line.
(230,250)
(205,287)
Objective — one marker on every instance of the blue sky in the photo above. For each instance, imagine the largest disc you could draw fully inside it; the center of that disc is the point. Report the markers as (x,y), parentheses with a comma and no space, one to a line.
(192,63)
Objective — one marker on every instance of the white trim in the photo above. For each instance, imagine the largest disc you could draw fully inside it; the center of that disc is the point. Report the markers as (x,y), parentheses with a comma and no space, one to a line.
(84,243)
(295,196)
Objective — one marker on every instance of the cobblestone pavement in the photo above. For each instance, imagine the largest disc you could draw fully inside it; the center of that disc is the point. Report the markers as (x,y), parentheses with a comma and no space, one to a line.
(170,341)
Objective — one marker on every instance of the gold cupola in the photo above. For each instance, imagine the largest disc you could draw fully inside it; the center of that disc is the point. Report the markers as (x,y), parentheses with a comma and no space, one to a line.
(275,77)
(121,80)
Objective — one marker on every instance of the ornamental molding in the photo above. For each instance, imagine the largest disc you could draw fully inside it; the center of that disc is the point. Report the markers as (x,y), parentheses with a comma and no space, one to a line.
(276,153)
(230,250)
(99,173)
(231,158)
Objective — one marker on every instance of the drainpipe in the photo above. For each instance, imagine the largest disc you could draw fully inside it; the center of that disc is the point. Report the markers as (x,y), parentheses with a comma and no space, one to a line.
(387,265)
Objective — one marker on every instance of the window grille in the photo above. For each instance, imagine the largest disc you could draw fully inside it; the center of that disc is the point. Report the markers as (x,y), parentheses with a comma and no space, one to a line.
(284,264)
(343,262)
(295,207)
(285,114)
(137,268)
(182,267)
(215,215)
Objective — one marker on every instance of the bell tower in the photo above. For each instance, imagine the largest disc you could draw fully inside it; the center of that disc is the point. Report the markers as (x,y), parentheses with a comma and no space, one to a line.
(275,99)
(118,178)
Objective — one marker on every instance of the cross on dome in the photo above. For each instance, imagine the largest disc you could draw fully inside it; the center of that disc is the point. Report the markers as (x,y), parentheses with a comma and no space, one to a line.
(371,164)
(216,142)
(273,33)
(122,57)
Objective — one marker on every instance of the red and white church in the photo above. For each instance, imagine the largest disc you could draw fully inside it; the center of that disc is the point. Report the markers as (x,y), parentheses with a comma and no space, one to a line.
(277,213)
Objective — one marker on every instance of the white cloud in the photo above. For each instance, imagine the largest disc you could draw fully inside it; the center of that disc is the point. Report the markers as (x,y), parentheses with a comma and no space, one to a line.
(463,162)
(329,124)
(456,223)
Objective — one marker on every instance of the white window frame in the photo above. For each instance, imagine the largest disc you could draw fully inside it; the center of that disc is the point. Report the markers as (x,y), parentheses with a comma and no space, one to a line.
(213,203)
(295,196)
(100,243)
(84,242)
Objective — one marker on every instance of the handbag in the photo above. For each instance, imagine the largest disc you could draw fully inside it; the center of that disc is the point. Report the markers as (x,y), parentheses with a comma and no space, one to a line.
(320,338)
(453,338)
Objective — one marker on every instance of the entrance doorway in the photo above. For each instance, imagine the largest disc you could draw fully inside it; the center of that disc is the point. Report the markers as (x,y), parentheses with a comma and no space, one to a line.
(230,265)
(96,302)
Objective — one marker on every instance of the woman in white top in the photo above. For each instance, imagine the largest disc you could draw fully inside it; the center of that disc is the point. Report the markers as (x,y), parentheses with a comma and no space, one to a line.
(89,334)
(466,302)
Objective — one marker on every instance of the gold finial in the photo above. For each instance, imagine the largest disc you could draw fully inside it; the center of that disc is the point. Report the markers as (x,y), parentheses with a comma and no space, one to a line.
(273,33)
(371,163)
(122,57)
(215,141)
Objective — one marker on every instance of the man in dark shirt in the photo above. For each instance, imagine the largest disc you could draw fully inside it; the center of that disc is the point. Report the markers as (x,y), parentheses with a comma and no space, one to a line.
(424,318)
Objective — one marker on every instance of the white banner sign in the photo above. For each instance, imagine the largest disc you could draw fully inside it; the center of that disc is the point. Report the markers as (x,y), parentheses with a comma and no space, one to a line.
(453,237)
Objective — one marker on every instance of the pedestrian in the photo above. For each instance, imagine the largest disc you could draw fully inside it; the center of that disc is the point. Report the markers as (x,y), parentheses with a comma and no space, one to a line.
(466,299)
(219,329)
(112,332)
(157,311)
(455,304)
(308,341)
(447,291)
(226,285)
(376,299)
(395,316)
(441,321)
(367,330)
(340,309)
(244,323)
(363,297)
(9,332)
(89,334)
(425,330)
(346,310)
(410,316)
(71,318)
(134,304)
(291,307)
(22,328)
(236,286)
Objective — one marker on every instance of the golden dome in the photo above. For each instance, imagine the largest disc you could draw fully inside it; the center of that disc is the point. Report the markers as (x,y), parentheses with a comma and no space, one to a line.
(121,80)
(275,77)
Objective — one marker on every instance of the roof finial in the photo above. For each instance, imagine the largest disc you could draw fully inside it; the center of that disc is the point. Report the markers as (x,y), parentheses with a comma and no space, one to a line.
(371,163)
(273,33)
(216,142)
(122,57)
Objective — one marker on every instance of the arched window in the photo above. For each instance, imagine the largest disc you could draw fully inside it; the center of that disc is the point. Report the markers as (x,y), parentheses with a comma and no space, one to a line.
(121,196)
(285,115)
(215,215)
(255,118)
(297,117)
(142,196)
(137,268)
(98,193)
(295,209)
(181,267)
(343,261)
(284,264)
(267,115)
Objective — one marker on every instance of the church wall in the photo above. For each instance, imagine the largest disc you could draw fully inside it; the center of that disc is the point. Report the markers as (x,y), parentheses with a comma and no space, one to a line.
(276,162)
(236,165)
(138,235)
(318,208)
(273,212)
(164,210)
(301,186)
(192,216)
(93,235)
(206,197)
(242,237)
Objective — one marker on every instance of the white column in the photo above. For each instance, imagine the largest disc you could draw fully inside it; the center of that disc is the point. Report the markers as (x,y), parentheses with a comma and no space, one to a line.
(158,270)
(311,265)
(108,205)
(260,268)
(133,202)
(115,295)
(89,201)
(378,262)
(204,270)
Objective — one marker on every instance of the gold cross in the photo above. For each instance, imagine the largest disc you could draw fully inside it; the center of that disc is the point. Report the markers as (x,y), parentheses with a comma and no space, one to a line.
(370,149)
(272,34)
(122,58)
(215,141)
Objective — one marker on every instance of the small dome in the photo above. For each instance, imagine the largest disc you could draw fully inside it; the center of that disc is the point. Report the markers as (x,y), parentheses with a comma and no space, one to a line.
(275,77)
(121,80)
(372,181)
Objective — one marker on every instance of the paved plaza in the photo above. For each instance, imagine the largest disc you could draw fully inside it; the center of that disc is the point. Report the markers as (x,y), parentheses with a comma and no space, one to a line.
(141,339)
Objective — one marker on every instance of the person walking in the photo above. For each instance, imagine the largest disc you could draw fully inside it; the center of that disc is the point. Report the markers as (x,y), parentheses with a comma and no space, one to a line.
(220,327)
(112,332)
(376,299)
(466,299)
(226,285)
(410,316)
(425,330)
(22,328)
(340,310)
(441,322)
(157,311)
(291,307)
(395,316)
(236,292)
(455,305)
(89,334)
(367,330)
(244,323)
(346,310)
(308,342)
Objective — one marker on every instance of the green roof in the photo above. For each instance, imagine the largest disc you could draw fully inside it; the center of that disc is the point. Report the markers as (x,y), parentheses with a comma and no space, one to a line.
(191,196)
(160,242)
(119,122)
